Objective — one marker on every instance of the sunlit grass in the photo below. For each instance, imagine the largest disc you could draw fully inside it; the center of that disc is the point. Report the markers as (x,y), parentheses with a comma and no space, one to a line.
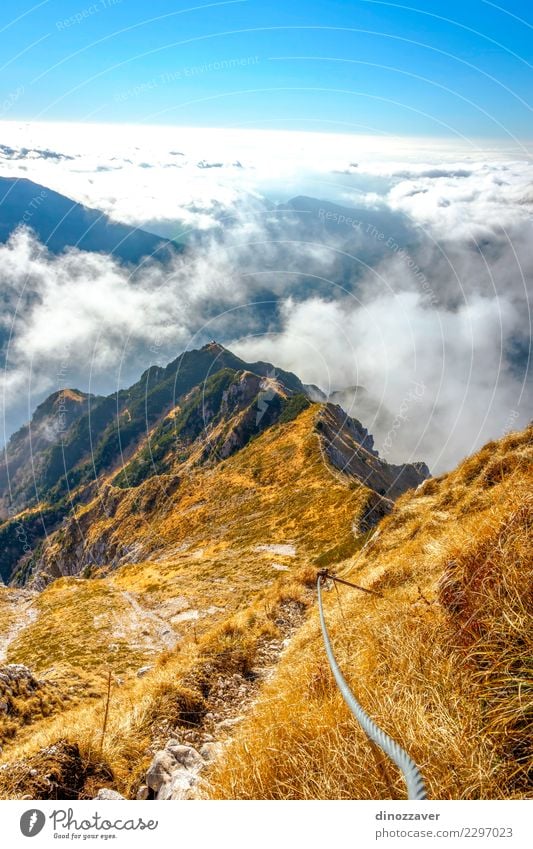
(443,662)
(440,662)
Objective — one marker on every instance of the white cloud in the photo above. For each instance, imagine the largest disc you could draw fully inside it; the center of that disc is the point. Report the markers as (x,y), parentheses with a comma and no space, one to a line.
(146,175)
(393,343)
(443,303)
(85,320)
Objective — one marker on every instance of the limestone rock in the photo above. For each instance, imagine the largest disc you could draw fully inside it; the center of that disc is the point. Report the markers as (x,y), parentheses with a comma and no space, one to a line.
(183,780)
(230,723)
(160,770)
(164,792)
(111,795)
(187,756)
(210,751)
(144,670)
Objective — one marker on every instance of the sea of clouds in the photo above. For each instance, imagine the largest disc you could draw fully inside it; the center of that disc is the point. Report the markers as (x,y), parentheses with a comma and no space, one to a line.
(414,286)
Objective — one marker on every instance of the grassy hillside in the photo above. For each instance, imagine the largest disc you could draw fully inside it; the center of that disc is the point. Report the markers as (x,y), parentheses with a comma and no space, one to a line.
(442,662)
(74,441)
(230,545)
(206,576)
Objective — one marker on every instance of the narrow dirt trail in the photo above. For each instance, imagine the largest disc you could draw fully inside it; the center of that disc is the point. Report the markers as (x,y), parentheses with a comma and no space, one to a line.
(25,614)
(231,697)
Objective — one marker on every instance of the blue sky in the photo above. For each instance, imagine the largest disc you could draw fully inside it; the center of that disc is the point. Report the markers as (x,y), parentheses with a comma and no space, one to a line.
(371,67)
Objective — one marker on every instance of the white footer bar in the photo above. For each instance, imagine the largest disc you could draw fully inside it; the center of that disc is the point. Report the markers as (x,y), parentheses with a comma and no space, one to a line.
(276,825)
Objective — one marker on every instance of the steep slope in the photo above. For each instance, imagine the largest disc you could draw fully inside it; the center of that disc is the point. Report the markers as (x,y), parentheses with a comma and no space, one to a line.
(442,662)
(230,562)
(178,502)
(350,448)
(22,464)
(201,408)
(60,223)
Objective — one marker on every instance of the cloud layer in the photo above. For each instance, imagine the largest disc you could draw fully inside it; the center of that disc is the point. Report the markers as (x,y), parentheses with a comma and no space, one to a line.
(420,297)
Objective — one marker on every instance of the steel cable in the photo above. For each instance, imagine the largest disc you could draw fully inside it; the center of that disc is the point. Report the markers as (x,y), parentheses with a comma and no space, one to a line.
(411,773)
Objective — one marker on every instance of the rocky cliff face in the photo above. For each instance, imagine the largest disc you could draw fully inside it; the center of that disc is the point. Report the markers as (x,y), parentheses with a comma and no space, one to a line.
(84,457)
(350,448)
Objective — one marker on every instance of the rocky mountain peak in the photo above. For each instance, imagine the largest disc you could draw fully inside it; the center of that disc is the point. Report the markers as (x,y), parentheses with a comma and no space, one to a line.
(214,347)
(201,409)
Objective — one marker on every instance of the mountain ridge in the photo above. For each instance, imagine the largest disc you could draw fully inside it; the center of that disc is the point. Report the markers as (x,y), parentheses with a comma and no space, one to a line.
(60,223)
(211,634)
(198,410)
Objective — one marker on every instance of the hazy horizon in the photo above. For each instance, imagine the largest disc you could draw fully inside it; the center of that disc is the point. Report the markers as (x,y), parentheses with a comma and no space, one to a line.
(203,124)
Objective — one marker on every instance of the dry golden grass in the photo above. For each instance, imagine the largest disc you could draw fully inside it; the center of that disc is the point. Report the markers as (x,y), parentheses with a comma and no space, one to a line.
(25,701)
(203,557)
(441,662)
(80,629)
(277,489)
(144,712)
(8,611)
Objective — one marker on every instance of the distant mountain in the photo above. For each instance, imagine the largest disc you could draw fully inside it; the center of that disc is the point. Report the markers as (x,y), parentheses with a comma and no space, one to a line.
(353,238)
(29,447)
(201,409)
(60,223)
(281,265)
(323,219)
